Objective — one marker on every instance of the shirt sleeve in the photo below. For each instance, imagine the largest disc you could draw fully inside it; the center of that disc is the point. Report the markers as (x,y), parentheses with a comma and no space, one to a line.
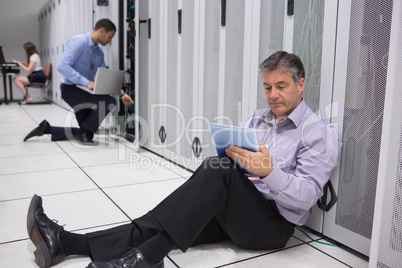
(315,160)
(74,49)
(34,57)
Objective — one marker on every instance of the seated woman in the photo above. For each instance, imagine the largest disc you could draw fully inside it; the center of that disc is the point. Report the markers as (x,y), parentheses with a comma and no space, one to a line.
(33,67)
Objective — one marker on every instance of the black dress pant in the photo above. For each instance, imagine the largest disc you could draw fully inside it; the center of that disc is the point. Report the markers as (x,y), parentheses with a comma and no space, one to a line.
(218,202)
(89,109)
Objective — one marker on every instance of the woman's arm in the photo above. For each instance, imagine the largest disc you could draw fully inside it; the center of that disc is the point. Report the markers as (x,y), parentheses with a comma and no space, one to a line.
(23,66)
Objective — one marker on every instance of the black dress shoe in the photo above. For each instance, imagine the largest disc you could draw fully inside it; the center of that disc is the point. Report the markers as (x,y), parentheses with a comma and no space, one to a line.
(44,234)
(133,259)
(84,137)
(43,128)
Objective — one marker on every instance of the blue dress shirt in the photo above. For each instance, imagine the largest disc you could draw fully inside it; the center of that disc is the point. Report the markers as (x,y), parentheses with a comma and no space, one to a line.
(80,60)
(304,149)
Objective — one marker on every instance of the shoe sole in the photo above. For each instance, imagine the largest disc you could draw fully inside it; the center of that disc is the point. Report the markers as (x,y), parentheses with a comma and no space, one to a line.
(42,254)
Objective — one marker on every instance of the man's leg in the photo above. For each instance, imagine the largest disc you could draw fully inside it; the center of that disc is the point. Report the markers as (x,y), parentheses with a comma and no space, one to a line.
(90,110)
(217,202)
(218,189)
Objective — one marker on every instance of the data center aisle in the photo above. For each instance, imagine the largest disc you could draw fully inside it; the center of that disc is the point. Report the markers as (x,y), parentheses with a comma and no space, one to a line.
(92,188)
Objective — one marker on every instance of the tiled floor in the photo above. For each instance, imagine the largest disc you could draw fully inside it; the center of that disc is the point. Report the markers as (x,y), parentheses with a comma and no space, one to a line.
(99,187)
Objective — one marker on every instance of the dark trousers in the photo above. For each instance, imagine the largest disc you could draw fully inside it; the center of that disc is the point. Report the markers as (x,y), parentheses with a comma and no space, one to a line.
(90,110)
(218,202)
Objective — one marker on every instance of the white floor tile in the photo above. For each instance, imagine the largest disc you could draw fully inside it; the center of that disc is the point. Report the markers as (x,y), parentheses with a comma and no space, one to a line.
(138,199)
(348,256)
(20,254)
(101,157)
(11,129)
(19,139)
(128,173)
(76,210)
(29,148)
(34,163)
(70,146)
(25,185)
(296,257)
(219,254)
(168,164)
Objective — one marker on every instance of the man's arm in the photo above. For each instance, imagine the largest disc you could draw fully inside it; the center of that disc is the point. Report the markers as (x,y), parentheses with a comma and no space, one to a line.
(300,189)
(74,49)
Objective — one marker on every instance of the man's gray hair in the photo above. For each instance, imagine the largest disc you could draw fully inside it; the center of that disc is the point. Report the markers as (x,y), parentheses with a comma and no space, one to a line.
(283,61)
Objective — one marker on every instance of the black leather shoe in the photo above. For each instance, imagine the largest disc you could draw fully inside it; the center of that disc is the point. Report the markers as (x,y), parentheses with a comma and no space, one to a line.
(132,259)
(43,128)
(44,234)
(84,137)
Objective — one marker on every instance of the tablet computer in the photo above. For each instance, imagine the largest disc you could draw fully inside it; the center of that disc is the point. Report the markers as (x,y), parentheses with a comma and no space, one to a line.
(224,136)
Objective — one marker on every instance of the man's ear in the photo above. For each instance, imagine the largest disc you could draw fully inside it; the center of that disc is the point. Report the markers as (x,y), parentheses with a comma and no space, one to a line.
(300,85)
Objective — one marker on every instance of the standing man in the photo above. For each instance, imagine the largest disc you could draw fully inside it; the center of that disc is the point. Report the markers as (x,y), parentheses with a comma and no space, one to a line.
(298,151)
(78,65)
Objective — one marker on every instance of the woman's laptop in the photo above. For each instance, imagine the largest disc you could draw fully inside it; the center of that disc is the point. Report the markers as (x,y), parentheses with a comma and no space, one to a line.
(107,82)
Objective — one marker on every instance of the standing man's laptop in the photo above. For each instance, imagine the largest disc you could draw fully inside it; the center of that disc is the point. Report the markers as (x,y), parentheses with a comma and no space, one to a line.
(107,82)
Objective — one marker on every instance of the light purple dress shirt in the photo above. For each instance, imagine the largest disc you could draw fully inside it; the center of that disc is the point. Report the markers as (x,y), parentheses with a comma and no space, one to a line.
(304,149)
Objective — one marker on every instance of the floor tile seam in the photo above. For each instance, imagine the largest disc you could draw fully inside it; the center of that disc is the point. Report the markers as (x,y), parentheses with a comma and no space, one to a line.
(260,255)
(110,164)
(167,159)
(13,241)
(53,105)
(172,261)
(21,156)
(38,171)
(51,194)
(29,114)
(72,230)
(82,166)
(24,155)
(141,183)
(172,169)
(100,188)
(329,255)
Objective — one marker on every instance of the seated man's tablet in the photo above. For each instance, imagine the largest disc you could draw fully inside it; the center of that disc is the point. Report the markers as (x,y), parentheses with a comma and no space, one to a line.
(224,136)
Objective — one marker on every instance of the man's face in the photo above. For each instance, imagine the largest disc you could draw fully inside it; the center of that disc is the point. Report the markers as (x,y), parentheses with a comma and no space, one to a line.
(106,37)
(281,92)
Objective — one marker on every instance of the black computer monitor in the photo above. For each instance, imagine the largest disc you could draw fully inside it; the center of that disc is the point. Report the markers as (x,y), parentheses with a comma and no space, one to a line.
(2,60)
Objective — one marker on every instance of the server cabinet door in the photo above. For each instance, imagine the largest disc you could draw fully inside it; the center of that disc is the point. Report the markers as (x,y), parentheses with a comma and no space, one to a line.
(359,85)
(314,35)
(221,67)
(386,243)
(152,135)
(188,68)
(156,35)
(142,74)
(211,53)
(271,24)
(174,118)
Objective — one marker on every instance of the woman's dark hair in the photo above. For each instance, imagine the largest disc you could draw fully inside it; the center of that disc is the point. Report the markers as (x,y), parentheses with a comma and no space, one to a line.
(283,61)
(30,49)
(106,24)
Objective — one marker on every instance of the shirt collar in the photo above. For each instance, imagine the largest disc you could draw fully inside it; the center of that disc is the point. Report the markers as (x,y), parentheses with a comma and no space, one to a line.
(295,116)
(89,41)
